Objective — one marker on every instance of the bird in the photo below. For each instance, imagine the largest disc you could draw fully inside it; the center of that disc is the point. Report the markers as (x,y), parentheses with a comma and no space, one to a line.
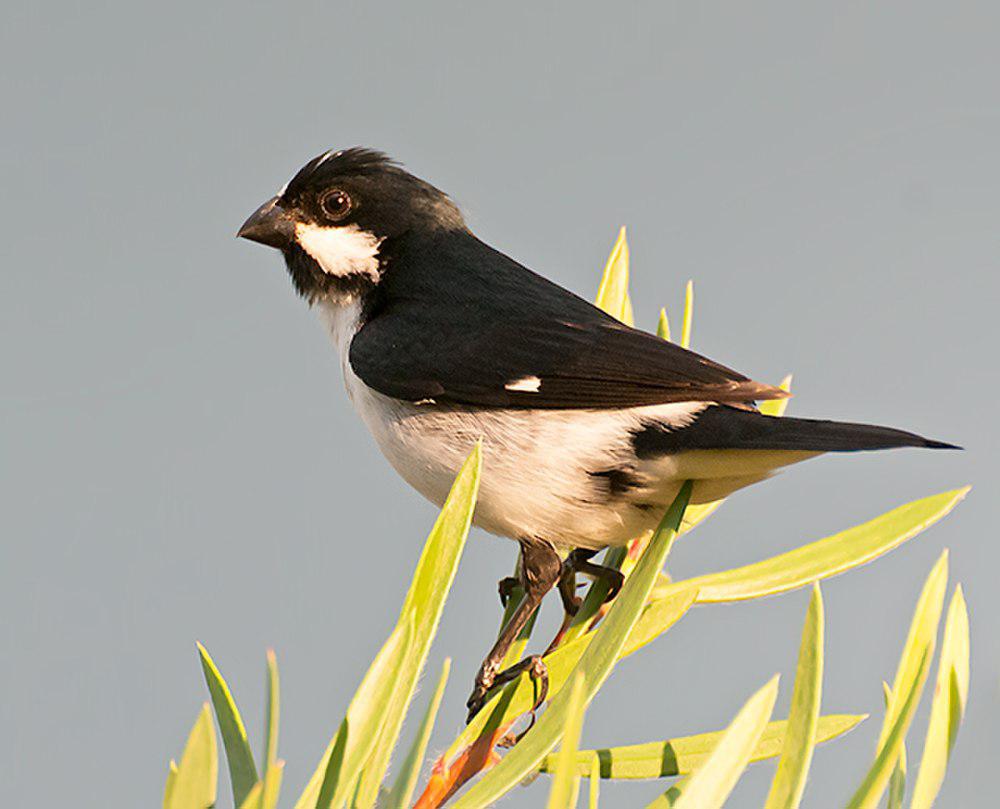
(589,427)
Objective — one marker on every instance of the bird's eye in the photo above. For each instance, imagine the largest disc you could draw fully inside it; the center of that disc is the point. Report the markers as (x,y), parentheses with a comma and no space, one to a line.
(336,204)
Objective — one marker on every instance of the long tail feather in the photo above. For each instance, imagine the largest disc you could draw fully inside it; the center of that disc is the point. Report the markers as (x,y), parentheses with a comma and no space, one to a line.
(721,427)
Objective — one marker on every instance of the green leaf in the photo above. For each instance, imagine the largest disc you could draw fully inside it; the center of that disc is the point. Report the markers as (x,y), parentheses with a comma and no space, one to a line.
(897,781)
(425,602)
(596,663)
(612,294)
(198,773)
(239,756)
(264,794)
(825,557)
(566,780)
(347,752)
(920,639)
(595,783)
(252,800)
(951,691)
(685,754)
(272,785)
(168,788)
(406,781)
(272,720)
(710,785)
(903,697)
(663,326)
(688,315)
(803,717)
(870,792)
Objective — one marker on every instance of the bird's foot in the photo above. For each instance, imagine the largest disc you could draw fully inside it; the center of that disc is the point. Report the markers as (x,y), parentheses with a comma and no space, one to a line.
(487,680)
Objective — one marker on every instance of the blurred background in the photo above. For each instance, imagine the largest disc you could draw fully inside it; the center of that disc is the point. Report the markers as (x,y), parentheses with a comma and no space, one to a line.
(178,460)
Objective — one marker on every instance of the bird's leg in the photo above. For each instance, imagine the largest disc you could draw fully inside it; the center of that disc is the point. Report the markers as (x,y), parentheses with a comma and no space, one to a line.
(540,570)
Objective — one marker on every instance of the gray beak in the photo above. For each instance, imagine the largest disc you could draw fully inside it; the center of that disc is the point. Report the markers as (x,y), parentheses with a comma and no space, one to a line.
(270,224)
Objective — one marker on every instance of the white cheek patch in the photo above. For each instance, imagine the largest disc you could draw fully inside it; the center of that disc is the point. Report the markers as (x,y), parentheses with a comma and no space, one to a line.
(340,251)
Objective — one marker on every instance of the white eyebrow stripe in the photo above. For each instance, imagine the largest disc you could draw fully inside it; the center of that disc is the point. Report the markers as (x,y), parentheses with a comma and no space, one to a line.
(526,384)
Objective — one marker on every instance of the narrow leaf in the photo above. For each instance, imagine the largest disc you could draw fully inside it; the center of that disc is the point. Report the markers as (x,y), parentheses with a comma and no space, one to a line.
(688,315)
(425,602)
(825,557)
(685,754)
(796,754)
(566,779)
(194,785)
(239,756)
(612,293)
(352,745)
(596,663)
(253,798)
(628,314)
(663,326)
(595,783)
(406,781)
(711,784)
(272,719)
(951,691)
(272,785)
(897,781)
(873,786)
(264,794)
(920,639)
(168,788)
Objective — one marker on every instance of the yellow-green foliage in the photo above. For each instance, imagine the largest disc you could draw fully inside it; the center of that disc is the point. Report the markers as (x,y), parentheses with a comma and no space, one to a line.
(353,770)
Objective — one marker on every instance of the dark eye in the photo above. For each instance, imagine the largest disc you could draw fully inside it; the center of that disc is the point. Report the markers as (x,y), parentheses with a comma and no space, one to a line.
(336,204)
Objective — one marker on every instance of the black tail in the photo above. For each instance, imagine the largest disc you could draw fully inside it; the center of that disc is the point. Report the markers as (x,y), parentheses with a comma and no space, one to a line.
(722,427)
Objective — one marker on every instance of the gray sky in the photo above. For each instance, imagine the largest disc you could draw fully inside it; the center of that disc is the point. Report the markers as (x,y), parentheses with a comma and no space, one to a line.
(178,460)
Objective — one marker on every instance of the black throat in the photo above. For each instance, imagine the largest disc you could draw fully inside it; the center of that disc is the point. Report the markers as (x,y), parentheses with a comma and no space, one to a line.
(313,284)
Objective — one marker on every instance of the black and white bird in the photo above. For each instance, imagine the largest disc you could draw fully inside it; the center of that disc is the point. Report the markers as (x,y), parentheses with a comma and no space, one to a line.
(589,427)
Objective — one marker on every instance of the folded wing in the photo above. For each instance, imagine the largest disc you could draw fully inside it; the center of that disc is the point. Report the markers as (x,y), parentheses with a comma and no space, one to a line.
(467,325)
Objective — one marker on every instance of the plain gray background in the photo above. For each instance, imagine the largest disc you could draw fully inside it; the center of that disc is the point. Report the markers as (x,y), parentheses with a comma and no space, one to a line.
(179,460)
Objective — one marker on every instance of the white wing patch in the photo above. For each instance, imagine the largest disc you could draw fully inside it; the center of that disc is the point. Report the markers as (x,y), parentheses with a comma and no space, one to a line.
(340,251)
(526,384)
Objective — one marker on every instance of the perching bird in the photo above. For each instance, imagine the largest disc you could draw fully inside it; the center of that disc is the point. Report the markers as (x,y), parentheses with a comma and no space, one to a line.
(589,427)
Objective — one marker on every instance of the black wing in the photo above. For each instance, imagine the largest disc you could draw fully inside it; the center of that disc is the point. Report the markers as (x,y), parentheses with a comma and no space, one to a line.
(458,322)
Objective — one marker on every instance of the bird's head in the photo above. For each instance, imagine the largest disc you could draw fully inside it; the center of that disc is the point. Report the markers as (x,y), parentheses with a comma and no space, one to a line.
(336,216)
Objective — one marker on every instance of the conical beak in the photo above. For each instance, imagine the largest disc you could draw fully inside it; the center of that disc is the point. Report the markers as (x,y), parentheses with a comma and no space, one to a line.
(270,225)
